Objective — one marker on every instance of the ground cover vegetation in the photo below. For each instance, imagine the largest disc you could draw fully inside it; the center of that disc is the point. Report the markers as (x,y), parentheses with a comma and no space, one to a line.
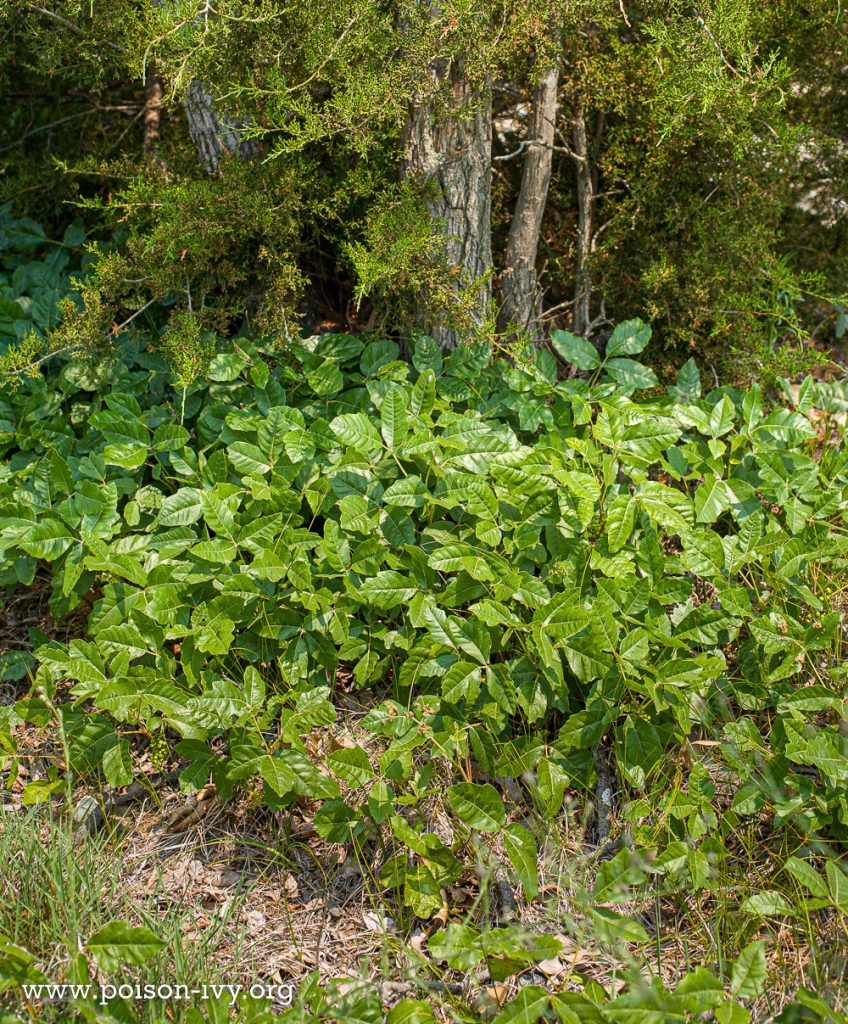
(564,604)
(423,509)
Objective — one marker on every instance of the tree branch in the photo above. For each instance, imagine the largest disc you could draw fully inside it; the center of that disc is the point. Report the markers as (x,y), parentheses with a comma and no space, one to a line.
(70,25)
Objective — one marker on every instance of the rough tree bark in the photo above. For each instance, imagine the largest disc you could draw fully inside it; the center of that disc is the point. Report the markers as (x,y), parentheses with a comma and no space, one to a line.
(604,792)
(585,222)
(520,298)
(153,112)
(450,156)
(214,137)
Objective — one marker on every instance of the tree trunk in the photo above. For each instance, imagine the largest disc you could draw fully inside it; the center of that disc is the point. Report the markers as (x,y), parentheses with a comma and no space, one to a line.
(214,137)
(450,156)
(153,112)
(604,757)
(520,298)
(585,223)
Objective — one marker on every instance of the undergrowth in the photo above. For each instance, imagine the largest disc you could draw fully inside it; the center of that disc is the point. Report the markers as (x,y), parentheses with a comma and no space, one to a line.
(548,595)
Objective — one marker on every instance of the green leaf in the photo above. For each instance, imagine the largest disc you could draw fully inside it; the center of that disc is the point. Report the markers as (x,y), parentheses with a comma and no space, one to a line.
(397,527)
(388,589)
(170,437)
(458,945)
(617,878)
(219,509)
(807,876)
(357,431)
(837,884)
(225,366)
(408,492)
(40,790)
(326,378)
(335,821)
(479,806)
(461,681)
(666,506)
(790,428)
(575,350)
(394,424)
(767,904)
(248,459)
(181,508)
(825,749)
(276,426)
(352,765)
(423,394)
(254,688)
(47,539)
(635,646)
(731,1012)
(16,665)
(120,943)
(427,356)
(711,499)
(117,764)
(376,355)
(584,728)
(277,774)
(631,374)
(309,781)
(520,847)
(721,417)
(611,927)
(528,1007)
(688,386)
(699,992)
(748,975)
(410,1011)
(74,234)
(620,520)
(639,749)
(121,428)
(628,339)
(127,456)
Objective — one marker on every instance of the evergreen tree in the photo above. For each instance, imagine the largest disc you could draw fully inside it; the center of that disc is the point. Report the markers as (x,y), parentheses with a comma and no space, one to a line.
(478,168)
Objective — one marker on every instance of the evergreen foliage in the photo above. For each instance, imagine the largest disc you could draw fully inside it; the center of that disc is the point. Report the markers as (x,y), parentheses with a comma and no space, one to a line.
(715,140)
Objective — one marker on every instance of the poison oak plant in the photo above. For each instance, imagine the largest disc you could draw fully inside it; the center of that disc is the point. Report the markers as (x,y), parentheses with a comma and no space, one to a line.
(529,565)
(501,546)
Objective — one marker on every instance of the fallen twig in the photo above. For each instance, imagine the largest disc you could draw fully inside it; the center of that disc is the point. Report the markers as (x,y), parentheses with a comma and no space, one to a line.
(91,813)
